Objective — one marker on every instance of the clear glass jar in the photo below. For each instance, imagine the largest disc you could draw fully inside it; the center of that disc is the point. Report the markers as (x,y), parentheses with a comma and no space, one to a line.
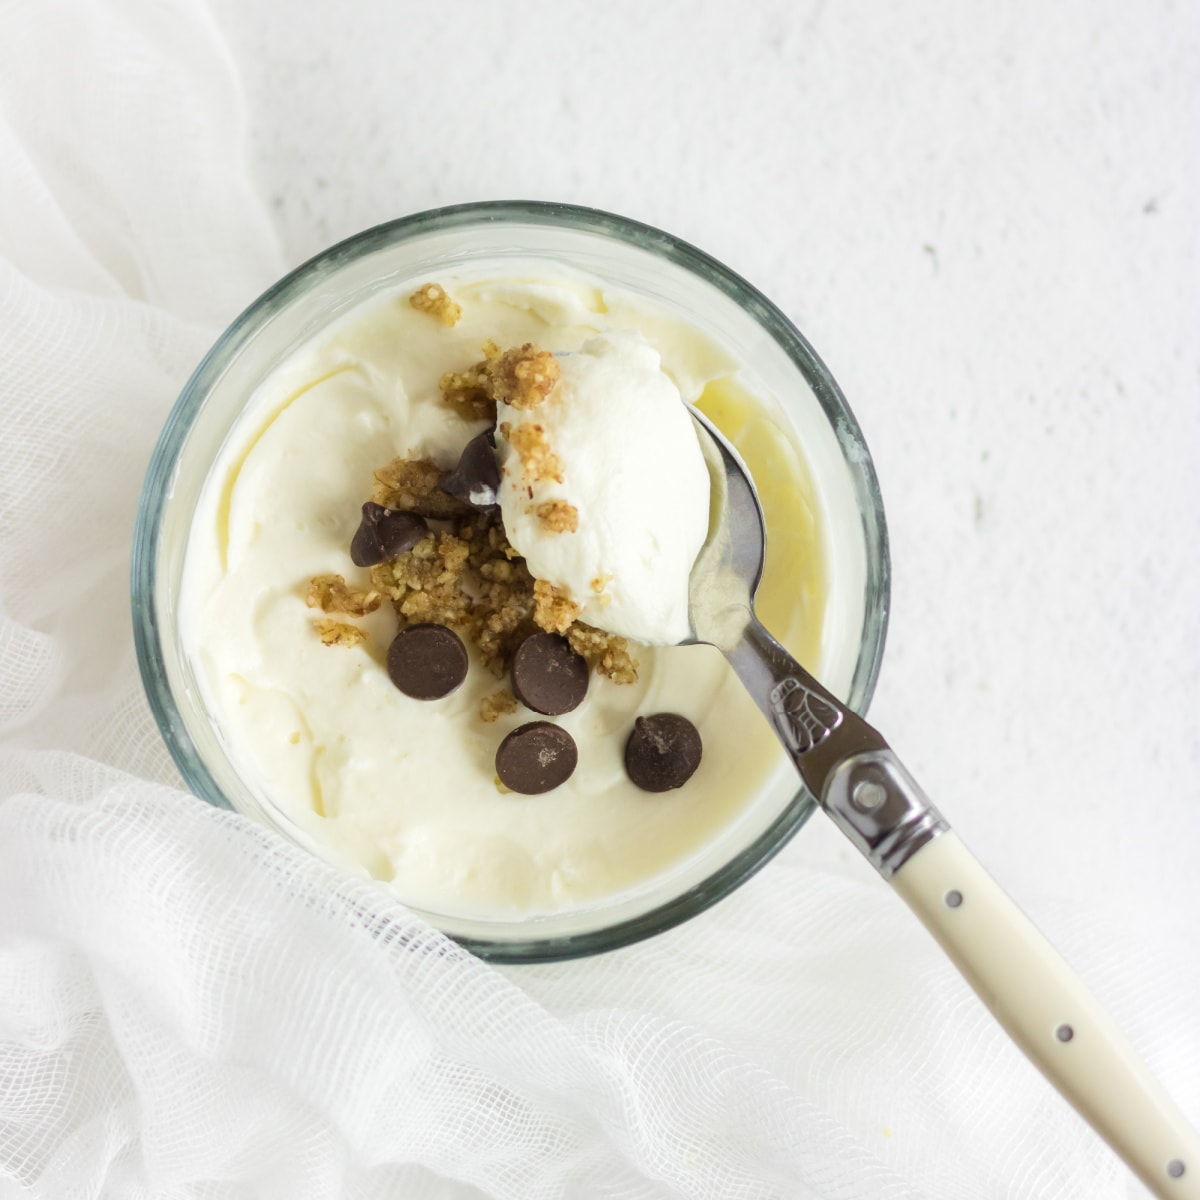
(778,362)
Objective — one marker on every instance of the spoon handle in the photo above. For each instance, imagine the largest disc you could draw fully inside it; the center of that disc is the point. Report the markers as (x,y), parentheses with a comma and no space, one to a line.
(1046,1009)
(1038,1000)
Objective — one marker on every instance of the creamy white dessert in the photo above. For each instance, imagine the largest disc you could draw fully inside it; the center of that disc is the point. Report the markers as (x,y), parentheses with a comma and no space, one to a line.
(635,476)
(405,790)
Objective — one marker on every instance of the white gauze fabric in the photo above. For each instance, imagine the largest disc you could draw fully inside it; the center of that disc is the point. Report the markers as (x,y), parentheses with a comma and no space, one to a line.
(190,1007)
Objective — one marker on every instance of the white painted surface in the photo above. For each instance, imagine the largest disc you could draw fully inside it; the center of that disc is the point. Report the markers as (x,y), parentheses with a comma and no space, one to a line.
(983,216)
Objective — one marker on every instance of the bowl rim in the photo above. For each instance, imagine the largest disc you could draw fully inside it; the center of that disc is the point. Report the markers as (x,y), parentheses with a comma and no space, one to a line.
(163,461)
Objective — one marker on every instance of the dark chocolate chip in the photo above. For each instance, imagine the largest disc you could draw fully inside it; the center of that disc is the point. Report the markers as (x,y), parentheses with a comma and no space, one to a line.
(536,758)
(400,531)
(548,676)
(662,752)
(384,534)
(427,661)
(476,479)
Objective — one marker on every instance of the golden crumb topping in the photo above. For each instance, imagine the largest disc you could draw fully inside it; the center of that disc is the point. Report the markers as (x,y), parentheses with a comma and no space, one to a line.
(532,447)
(521,377)
(433,299)
(426,582)
(553,610)
(338,633)
(468,393)
(464,573)
(332,594)
(605,653)
(470,578)
(498,704)
(412,485)
(558,516)
(524,376)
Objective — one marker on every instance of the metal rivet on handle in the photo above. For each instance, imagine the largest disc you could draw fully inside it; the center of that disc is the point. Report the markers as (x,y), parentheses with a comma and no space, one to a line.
(1064,1033)
(868,795)
(1175,1168)
(953,898)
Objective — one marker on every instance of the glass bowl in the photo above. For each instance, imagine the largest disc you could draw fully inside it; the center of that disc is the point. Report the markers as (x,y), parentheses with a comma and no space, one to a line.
(623,253)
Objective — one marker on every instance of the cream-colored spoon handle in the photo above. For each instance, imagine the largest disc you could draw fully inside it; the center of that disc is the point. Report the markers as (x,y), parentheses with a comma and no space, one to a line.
(1045,1008)
(1039,1001)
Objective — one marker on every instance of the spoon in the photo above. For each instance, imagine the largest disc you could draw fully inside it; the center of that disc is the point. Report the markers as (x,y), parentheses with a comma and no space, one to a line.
(857,779)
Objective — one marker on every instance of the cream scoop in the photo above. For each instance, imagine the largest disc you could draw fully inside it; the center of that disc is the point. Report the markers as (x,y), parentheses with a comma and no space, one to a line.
(630,474)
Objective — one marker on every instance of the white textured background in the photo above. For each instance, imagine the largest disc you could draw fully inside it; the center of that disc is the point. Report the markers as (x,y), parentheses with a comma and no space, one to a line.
(984,217)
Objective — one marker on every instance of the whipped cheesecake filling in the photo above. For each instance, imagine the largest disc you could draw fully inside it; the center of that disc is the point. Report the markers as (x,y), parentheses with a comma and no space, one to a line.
(405,790)
(633,477)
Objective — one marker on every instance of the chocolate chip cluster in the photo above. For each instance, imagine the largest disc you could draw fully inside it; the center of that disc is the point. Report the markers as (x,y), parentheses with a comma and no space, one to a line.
(434,545)
(429,661)
(436,548)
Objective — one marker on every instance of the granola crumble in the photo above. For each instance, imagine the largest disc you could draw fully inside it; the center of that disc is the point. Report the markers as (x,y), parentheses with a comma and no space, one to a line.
(524,376)
(411,485)
(496,705)
(558,516)
(332,594)
(553,610)
(469,392)
(426,582)
(464,573)
(606,653)
(521,377)
(339,633)
(538,461)
(470,578)
(433,299)
(603,599)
